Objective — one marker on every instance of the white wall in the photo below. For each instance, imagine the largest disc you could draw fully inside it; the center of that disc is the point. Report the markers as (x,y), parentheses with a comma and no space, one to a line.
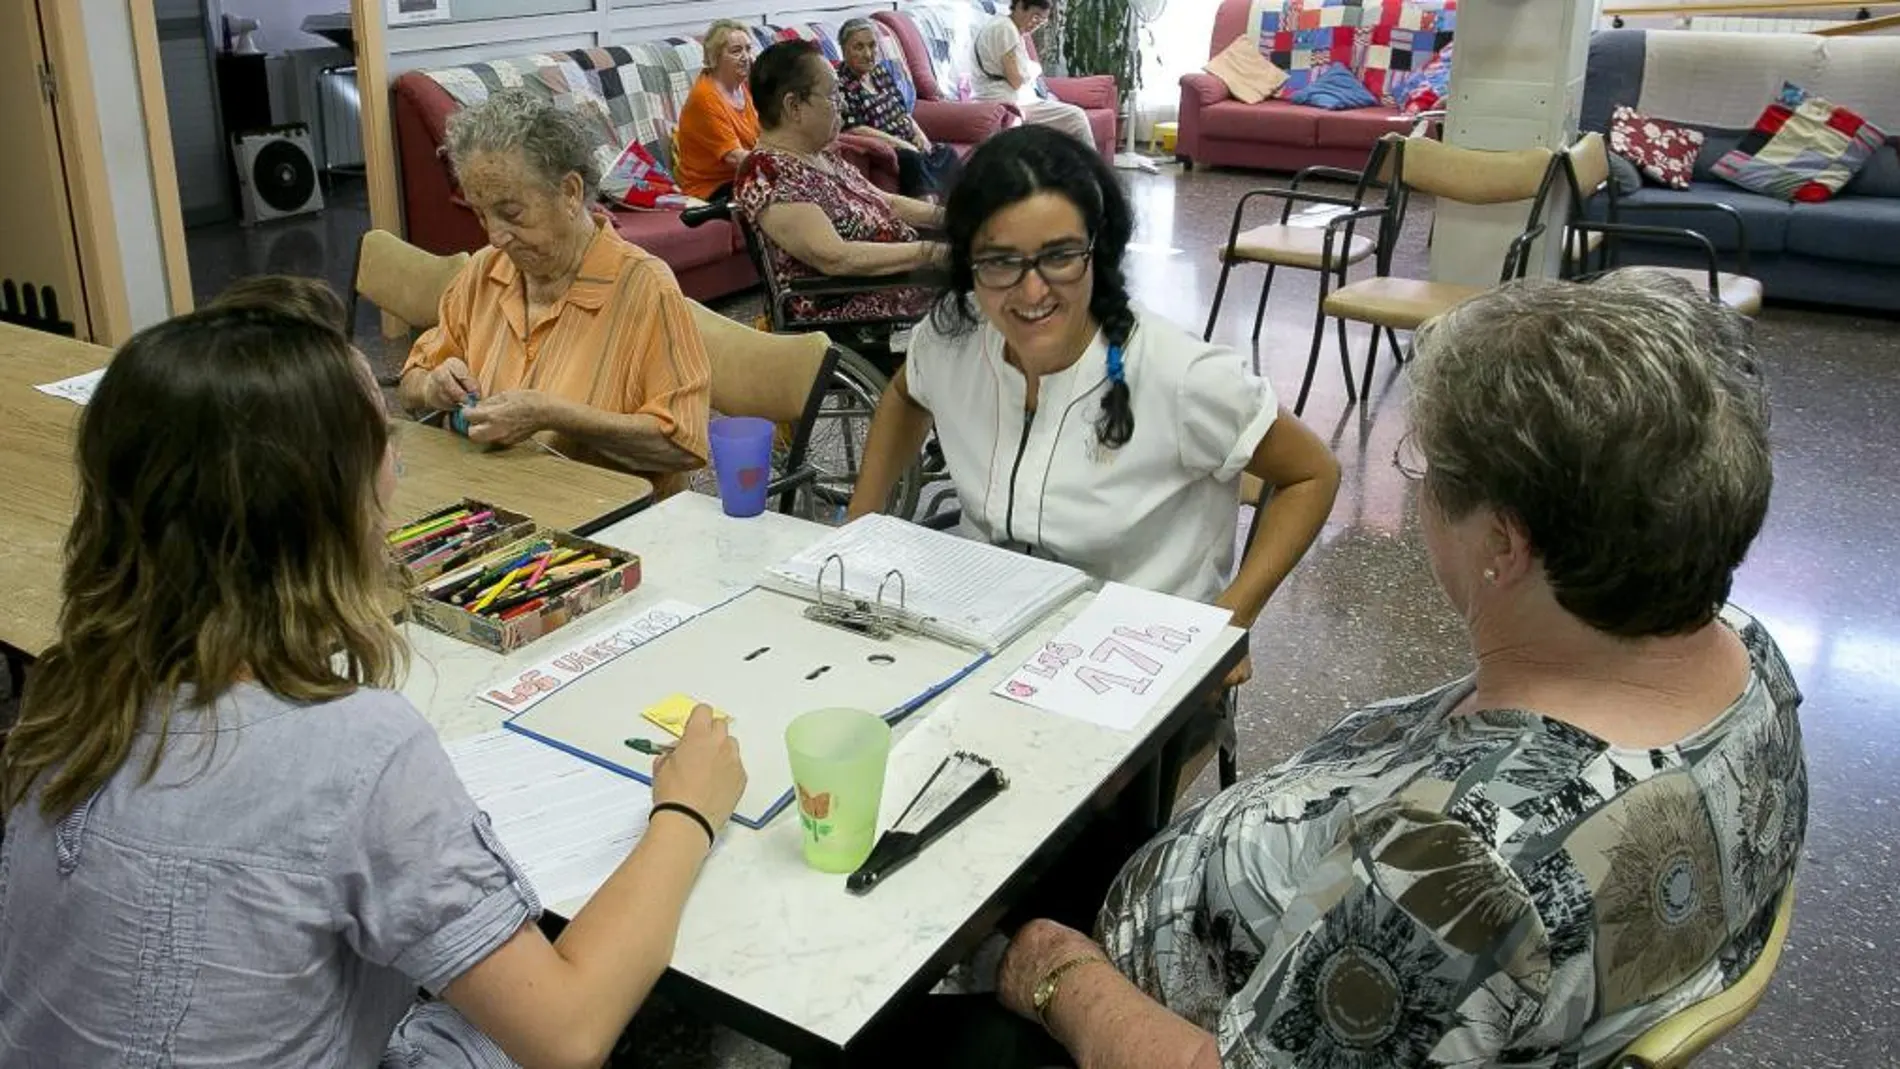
(278,20)
(128,158)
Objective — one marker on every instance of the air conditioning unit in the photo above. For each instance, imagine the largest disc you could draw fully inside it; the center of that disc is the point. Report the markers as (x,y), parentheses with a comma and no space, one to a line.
(277,174)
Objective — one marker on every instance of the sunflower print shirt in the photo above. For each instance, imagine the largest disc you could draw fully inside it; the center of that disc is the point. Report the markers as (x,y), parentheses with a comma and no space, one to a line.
(1495,888)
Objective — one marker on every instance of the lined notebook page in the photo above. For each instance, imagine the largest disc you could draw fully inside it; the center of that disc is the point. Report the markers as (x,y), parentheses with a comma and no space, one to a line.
(963,591)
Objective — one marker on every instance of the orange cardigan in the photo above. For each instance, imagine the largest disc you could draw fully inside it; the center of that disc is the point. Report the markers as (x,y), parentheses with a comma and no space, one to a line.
(709,129)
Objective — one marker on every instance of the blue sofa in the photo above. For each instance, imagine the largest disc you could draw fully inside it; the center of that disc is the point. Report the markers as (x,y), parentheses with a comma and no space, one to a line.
(1843,251)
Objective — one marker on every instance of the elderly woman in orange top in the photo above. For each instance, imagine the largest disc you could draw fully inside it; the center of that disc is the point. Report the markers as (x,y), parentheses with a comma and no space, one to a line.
(718,124)
(560,331)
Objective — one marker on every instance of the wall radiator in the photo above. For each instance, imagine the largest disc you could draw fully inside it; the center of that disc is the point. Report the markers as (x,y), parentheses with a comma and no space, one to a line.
(339,120)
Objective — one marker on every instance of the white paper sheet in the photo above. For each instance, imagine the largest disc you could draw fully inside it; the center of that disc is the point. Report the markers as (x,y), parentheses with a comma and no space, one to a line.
(77,389)
(519,691)
(408,12)
(1115,660)
(567,823)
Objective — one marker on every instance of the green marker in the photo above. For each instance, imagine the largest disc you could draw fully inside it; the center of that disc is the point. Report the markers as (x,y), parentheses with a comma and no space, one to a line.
(649,747)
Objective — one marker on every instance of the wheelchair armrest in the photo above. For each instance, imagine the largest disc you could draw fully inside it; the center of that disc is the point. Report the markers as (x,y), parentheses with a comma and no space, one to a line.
(705,213)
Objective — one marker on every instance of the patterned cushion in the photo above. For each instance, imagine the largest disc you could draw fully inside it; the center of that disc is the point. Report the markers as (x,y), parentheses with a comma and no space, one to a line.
(1664,151)
(1427,90)
(1379,40)
(1803,148)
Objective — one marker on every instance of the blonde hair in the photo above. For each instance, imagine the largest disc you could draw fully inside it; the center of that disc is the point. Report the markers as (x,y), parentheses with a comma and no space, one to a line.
(228,529)
(709,44)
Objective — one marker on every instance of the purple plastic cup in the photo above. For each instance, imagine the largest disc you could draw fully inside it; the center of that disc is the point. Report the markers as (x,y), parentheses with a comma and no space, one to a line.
(742,459)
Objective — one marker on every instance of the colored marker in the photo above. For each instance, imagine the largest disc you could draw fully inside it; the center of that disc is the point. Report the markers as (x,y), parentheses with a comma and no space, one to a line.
(649,747)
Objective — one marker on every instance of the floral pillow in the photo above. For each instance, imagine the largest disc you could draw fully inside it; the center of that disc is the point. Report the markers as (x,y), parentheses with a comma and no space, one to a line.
(1664,151)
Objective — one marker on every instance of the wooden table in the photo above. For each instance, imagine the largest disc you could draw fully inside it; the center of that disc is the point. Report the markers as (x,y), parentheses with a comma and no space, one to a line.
(36,449)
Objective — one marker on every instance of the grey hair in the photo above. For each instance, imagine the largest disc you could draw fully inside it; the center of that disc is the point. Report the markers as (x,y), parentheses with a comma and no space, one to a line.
(1623,424)
(556,142)
(853,26)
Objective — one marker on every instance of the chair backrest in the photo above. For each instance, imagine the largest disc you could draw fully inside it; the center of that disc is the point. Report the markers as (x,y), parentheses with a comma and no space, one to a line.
(1588,158)
(771,376)
(1674,1042)
(1471,176)
(402,280)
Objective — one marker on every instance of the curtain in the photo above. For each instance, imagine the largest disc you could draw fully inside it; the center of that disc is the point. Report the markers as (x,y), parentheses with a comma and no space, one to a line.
(1173,44)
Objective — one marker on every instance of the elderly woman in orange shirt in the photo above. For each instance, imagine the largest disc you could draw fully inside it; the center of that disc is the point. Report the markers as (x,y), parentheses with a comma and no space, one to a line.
(559,331)
(718,124)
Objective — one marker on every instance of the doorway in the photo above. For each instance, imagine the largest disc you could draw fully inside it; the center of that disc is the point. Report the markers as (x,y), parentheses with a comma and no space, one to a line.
(40,279)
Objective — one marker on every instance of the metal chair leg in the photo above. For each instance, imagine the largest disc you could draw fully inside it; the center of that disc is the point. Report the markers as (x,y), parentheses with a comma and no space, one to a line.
(1220,291)
(1229,768)
(1398,351)
(1345,361)
(1372,357)
(1312,361)
(1260,313)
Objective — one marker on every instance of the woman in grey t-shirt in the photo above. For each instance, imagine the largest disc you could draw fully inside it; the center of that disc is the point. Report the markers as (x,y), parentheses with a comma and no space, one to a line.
(227,842)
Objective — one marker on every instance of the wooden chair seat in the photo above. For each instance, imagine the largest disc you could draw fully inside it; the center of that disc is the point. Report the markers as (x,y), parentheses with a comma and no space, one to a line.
(1739,292)
(1297,246)
(1396,303)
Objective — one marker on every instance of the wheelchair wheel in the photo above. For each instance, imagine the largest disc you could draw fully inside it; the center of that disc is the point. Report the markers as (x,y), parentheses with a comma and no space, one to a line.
(838,437)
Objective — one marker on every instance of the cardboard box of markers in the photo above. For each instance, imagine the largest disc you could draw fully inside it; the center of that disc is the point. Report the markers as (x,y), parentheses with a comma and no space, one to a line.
(503,581)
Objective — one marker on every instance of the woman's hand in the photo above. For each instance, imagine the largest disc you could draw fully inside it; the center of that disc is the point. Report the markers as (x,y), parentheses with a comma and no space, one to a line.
(1037,949)
(509,417)
(703,772)
(449,385)
(1240,673)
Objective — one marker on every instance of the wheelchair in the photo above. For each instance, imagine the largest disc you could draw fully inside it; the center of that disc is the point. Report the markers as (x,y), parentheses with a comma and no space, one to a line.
(870,352)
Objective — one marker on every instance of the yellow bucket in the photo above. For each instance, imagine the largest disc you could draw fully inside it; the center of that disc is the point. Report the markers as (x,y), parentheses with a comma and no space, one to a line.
(1165,133)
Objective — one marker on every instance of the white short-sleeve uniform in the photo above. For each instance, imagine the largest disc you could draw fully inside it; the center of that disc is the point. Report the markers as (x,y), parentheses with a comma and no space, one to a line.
(1160,512)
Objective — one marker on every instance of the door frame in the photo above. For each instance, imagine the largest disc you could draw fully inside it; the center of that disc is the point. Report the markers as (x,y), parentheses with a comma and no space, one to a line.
(101,266)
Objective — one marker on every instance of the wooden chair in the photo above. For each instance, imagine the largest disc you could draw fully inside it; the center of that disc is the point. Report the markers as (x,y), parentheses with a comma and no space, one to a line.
(1388,303)
(401,280)
(780,377)
(1590,247)
(1676,1041)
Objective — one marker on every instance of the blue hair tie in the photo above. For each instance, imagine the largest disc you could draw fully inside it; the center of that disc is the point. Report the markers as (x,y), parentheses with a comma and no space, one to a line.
(1116,372)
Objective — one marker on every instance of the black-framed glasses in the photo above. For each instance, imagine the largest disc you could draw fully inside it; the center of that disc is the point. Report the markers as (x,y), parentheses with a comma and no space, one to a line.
(1056,266)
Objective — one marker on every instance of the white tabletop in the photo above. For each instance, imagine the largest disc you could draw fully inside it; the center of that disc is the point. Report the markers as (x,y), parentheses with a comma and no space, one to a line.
(761,927)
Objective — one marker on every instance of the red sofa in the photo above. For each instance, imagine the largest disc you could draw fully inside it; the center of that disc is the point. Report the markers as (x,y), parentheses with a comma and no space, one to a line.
(1273,135)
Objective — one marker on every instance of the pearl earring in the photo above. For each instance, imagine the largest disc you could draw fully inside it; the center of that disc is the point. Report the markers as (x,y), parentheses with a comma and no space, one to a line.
(1490,575)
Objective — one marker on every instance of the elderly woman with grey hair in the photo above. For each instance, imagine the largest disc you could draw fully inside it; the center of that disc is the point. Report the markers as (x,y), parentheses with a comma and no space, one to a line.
(560,330)
(871,105)
(1535,863)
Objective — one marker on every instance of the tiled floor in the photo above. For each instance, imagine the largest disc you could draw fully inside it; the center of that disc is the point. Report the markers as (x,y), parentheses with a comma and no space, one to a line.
(1361,618)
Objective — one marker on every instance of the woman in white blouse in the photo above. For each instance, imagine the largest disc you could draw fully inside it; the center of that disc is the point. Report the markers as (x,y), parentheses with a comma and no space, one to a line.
(1005,72)
(1075,426)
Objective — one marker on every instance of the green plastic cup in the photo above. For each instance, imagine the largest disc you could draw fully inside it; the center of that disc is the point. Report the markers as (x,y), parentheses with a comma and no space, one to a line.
(838,758)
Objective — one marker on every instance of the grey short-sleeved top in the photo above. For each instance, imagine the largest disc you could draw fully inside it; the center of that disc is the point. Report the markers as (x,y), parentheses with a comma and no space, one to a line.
(274,895)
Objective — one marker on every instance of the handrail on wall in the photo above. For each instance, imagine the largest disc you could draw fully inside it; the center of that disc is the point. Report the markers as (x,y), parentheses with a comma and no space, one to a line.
(1737,7)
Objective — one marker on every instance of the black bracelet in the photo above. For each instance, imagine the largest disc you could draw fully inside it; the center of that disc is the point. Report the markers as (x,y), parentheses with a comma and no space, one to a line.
(686,810)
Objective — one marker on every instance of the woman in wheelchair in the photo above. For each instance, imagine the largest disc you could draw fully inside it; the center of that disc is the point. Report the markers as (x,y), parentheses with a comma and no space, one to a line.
(1076,426)
(817,215)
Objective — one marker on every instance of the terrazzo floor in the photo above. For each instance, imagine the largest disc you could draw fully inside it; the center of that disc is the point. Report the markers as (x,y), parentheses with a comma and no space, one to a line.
(1361,618)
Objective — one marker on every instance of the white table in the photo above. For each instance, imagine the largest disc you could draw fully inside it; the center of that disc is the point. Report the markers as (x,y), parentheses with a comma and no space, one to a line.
(771,947)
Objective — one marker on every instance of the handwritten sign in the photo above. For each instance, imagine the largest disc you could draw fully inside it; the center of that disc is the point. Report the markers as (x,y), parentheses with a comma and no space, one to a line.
(1115,661)
(524,690)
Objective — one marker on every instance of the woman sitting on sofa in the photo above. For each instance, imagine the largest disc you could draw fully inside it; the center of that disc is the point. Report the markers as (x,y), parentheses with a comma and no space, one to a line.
(718,123)
(818,215)
(870,105)
(1006,73)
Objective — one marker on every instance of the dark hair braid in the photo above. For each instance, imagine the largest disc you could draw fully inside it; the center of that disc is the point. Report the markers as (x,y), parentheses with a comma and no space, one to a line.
(1012,167)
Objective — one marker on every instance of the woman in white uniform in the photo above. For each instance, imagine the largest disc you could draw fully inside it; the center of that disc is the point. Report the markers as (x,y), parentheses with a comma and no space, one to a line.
(1075,426)
(1005,72)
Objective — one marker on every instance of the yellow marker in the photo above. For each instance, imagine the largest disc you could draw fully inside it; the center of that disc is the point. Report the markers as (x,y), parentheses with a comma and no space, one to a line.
(670,714)
(494,592)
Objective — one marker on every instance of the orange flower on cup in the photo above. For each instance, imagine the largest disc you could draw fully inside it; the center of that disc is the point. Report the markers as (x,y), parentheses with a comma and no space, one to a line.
(815,806)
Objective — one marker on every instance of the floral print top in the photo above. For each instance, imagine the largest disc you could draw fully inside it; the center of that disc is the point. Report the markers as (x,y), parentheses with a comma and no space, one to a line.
(872,99)
(858,212)
(1494,888)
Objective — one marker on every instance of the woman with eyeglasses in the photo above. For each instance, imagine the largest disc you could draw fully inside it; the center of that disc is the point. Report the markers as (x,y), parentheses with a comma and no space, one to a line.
(818,215)
(1077,426)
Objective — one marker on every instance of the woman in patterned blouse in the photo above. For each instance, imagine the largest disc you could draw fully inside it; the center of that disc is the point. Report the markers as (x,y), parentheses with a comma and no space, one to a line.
(1534,864)
(818,215)
(870,105)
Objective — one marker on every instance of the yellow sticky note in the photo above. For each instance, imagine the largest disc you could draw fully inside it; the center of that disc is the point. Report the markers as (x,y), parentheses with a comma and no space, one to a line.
(672,712)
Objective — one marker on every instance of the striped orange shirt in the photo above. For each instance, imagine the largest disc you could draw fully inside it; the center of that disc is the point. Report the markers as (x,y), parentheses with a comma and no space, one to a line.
(621,339)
